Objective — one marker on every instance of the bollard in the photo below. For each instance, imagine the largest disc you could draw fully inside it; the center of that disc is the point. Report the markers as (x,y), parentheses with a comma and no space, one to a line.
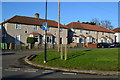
(65,52)
(61,51)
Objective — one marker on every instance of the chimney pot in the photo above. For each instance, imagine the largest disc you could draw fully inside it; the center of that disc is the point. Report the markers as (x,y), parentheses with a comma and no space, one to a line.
(36,15)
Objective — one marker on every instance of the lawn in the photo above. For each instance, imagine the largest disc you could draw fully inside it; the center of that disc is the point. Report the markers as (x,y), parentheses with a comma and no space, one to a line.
(93,59)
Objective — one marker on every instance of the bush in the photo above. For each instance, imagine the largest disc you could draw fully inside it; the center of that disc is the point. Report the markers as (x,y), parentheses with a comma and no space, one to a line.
(89,42)
(31,40)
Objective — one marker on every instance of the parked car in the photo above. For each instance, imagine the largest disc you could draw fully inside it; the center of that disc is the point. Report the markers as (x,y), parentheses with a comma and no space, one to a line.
(115,44)
(103,45)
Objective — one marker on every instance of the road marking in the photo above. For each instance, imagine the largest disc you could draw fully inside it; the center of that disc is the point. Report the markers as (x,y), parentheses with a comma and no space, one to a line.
(31,70)
(12,69)
(70,73)
(48,71)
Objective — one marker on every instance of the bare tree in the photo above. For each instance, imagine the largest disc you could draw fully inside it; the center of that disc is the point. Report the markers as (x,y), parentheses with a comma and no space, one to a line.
(96,21)
(107,24)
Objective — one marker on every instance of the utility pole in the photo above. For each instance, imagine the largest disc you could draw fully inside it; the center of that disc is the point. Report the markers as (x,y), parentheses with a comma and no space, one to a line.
(45,49)
(58,25)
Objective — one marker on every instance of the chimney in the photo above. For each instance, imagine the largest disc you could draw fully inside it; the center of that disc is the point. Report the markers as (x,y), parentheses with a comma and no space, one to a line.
(36,15)
(78,21)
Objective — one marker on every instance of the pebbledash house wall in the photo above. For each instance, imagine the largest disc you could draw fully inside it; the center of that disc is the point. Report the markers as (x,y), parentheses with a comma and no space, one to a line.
(12,32)
(94,34)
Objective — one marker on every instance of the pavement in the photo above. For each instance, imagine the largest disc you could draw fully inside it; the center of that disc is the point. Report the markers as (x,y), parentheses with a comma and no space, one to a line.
(13,68)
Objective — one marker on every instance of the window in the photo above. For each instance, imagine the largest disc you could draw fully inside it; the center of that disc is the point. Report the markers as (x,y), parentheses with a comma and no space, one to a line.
(55,32)
(35,27)
(26,30)
(48,28)
(17,26)
(89,32)
(81,31)
(36,38)
(49,39)
(61,30)
(109,34)
(102,33)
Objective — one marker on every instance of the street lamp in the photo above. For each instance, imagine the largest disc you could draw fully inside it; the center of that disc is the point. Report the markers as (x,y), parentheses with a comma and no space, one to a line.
(58,25)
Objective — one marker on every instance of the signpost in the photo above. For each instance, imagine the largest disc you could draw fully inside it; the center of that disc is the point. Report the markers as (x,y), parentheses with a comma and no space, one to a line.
(45,29)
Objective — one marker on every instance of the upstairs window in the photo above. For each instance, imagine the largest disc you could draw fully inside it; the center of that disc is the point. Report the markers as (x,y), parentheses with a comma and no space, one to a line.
(61,30)
(35,27)
(81,31)
(55,32)
(88,32)
(102,33)
(17,26)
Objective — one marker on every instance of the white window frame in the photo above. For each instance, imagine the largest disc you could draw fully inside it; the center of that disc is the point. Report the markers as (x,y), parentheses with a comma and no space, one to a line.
(35,27)
(61,29)
(16,26)
(81,30)
(89,32)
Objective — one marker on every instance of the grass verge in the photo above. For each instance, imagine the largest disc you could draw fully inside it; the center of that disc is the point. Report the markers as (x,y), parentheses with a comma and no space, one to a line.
(93,59)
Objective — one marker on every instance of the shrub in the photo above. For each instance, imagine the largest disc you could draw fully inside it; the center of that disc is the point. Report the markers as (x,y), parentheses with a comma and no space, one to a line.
(31,40)
(89,42)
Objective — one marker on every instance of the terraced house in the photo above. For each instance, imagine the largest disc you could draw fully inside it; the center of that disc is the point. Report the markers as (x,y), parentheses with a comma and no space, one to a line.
(18,28)
(86,33)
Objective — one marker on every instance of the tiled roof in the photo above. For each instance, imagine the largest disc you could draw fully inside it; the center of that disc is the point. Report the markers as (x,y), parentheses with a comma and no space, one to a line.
(77,25)
(116,29)
(49,34)
(82,35)
(89,36)
(33,21)
(109,37)
(103,37)
(34,33)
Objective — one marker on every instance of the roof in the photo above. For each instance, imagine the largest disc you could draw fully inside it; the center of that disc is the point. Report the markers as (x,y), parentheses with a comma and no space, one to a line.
(34,33)
(116,29)
(109,37)
(75,36)
(82,35)
(103,37)
(32,21)
(89,36)
(88,27)
(49,34)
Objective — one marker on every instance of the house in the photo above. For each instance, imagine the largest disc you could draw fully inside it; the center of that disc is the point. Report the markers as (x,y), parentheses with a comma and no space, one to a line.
(117,34)
(86,33)
(18,28)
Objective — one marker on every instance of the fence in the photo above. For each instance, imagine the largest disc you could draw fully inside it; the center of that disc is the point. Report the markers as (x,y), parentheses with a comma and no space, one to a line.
(12,46)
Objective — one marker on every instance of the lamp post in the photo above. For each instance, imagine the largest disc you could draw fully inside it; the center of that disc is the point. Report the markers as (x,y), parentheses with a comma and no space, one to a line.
(58,25)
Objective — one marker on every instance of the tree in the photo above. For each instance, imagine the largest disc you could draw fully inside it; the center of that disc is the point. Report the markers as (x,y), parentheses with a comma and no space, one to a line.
(96,21)
(107,24)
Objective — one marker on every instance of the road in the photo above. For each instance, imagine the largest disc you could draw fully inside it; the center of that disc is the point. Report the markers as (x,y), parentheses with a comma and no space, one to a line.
(13,67)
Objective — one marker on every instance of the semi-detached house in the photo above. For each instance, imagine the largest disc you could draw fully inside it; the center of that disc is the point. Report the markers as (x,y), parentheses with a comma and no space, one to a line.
(18,28)
(86,33)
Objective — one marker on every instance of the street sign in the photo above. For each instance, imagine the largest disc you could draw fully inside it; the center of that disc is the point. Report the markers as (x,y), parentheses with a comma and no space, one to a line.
(44,26)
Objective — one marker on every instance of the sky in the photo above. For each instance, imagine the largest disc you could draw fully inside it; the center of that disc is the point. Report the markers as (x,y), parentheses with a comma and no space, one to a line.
(70,11)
